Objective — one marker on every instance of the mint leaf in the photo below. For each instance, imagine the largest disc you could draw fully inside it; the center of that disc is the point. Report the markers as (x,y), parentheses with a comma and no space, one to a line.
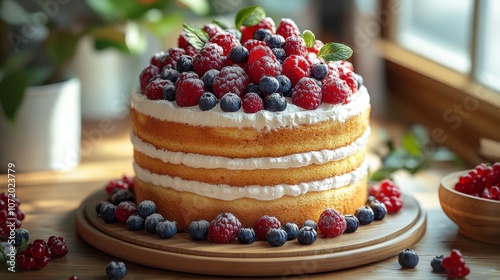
(197,37)
(220,24)
(335,52)
(249,16)
(12,87)
(309,38)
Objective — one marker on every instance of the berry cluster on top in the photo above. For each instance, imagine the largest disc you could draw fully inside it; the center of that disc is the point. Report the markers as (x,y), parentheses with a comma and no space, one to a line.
(253,67)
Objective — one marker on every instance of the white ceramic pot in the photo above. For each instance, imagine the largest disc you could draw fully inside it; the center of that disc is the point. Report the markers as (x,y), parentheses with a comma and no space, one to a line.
(46,133)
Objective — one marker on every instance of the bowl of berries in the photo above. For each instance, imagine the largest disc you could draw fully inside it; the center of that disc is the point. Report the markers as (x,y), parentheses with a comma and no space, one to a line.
(471,199)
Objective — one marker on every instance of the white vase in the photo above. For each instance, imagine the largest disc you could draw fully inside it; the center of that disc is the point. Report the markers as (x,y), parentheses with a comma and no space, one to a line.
(46,133)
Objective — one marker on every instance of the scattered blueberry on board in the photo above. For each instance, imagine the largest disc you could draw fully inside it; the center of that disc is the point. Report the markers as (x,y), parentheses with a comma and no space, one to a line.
(408,258)
(116,270)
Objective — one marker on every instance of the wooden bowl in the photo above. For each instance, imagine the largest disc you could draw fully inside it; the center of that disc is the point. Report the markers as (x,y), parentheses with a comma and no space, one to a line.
(477,218)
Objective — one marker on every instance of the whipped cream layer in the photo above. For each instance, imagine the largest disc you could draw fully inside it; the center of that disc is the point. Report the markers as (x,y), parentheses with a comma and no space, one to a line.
(292,116)
(226,192)
(213,162)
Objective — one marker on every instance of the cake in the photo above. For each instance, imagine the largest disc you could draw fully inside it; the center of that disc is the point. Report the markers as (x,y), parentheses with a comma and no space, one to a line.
(291,154)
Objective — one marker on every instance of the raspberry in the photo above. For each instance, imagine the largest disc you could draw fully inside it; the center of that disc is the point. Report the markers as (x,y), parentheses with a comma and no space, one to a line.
(264,224)
(352,81)
(173,56)
(230,79)
(335,90)
(146,75)
(252,43)
(264,66)
(252,103)
(224,228)
(455,265)
(185,76)
(191,51)
(295,68)
(317,46)
(345,64)
(332,69)
(159,59)
(154,90)
(182,41)
(392,203)
(306,94)
(247,31)
(124,210)
(226,40)
(287,28)
(313,59)
(388,188)
(212,29)
(210,57)
(258,52)
(295,45)
(331,223)
(189,92)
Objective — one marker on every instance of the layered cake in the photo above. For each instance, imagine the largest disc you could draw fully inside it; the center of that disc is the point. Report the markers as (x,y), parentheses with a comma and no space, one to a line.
(257,121)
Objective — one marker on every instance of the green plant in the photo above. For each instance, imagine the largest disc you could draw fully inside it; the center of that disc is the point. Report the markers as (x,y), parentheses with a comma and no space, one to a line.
(36,46)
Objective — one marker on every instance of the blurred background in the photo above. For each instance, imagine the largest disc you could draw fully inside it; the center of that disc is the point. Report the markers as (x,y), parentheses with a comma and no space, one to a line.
(431,63)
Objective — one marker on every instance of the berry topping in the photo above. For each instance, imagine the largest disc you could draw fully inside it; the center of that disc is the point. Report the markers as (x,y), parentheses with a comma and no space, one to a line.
(159,60)
(307,235)
(207,101)
(185,76)
(173,56)
(224,228)
(189,92)
(351,80)
(166,229)
(230,79)
(154,90)
(280,54)
(285,85)
(135,222)
(319,71)
(246,235)
(274,41)
(331,223)
(335,90)
(408,258)
(248,31)
(262,62)
(238,54)
(226,40)
(251,44)
(184,64)
(436,264)
(379,209)
(261,33)
(365,215)
(306,94)
(252,103)
(116,270)
(295,45)
(265,223)
(211,57)
(169,92)
(108,213)
(230,102)
(151,221)
(209,77)
(212,29)
(316,47)
(275,102)
(146,208)
(352,223)
(121,195)
(268,85)
(168,73)
(198,230)
(295,68)
(182,41)
(292,230)
(146,75)
(124,210)
(276,237)
(287,28)
(455,265)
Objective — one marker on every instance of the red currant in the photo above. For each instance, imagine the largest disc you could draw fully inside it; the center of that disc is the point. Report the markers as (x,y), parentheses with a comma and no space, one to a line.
(25,262)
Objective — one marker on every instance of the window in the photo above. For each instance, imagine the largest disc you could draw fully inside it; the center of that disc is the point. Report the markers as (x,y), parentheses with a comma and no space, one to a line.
(488,55)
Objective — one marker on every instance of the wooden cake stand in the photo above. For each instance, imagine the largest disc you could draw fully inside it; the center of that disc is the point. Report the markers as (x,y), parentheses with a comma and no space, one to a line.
(370,243)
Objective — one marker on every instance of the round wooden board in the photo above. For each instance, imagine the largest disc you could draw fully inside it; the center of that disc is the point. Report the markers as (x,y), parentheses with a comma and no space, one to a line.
(370,243)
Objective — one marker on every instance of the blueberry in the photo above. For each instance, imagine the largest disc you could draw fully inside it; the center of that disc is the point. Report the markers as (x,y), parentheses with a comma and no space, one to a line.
(99,205)
(108,213)
(246,236)
(184,64)
(285,85)
(252,88)
(319,71)
(151,222)
(276,237)
(379,210)
(307,235)
(408,258)
(437,264)
(116,270)
(292,230)
(361,81)
(198,230)
(8,250)
(274,41)
(275,102)
(168,73)
(352,223)
(20,234)
(209,77)
(310,223)
(365,215)
(121,195)
(268,85)
(207,101)
(261,33)
(166,229)
(135,222)
(146,208)
(230,102)
(280,54)
(238,54)
(169,92)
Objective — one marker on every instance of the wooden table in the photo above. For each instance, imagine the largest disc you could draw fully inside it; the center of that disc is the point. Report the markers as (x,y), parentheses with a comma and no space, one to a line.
(50,200)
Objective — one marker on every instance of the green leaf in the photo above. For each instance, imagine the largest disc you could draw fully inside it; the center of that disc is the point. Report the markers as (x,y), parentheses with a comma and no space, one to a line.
(163,26)
(411,144)
(335,52)
(199,7)
(249,16)
(109,36)
(220,24)
(12,87)
(197,37)
(61,45)
(309,38)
